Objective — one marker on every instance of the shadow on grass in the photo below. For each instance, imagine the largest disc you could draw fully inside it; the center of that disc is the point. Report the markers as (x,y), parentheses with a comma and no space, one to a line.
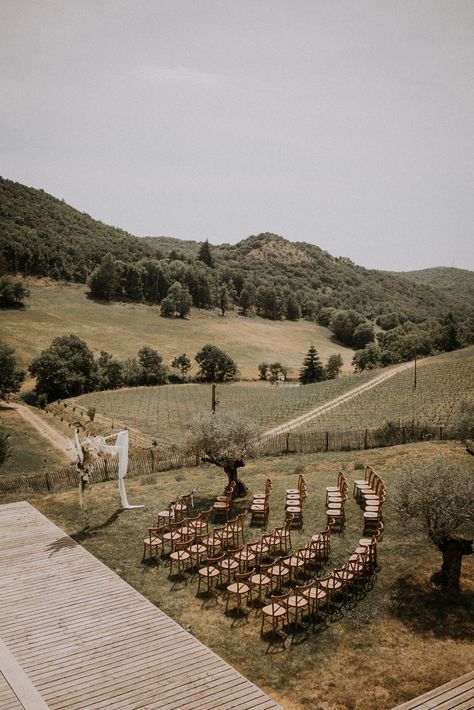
(430,612)
(90,532)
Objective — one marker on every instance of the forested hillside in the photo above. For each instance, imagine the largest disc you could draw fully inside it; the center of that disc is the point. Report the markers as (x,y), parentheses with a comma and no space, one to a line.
(264,275)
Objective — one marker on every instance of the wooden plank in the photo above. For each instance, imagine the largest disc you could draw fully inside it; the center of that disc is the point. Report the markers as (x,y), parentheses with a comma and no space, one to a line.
(441,696)
(86,639)
(26,693)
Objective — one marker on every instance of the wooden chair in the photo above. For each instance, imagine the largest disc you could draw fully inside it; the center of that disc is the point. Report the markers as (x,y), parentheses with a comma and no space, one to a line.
(231,564)
(276,613)
(229,534)
(279,571)
(198,550)
(247,557)
(183,504)
(301,482)
(268,490)
(318,595)
(214,541)
(172,536)
(296,511)
(241,589)
(261,582)
(154,541)
(202,524)
(299,602)
(211,573)
(259,512)
(241,518)
(180,557)
(222,508)
(165,517)
(282,535)
(260,549)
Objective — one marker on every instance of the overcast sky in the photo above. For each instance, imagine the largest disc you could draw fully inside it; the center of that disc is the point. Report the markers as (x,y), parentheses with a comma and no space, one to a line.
(348,124)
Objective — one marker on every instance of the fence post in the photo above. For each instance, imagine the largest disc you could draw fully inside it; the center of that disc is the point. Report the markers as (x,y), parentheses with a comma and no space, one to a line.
(365,438)
(287,441)
(48,484)
(327,442)
(441,432)
(403,435)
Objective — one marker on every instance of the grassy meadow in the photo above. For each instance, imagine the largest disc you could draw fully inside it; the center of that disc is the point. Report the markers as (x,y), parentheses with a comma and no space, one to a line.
(30,453)
(401,639)
(55,309)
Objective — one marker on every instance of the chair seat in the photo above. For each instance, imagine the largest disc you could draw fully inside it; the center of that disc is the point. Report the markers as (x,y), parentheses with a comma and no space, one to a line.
(260,579)
(180,555)
(209,572)
(317,593)
(275,610)
(238,588)
(229,564)
(297,602)
(293,509)
(332,584)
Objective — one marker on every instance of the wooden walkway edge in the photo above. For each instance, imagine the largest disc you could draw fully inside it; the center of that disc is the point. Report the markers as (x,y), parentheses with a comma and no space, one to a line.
(83,638)
(458,694)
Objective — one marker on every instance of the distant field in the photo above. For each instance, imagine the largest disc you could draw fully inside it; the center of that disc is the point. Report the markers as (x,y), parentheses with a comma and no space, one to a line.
(30,452)
(442,383)
(122,328)
(165,413)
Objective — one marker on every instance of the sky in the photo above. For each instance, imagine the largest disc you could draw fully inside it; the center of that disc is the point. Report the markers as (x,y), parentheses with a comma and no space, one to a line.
(343,123)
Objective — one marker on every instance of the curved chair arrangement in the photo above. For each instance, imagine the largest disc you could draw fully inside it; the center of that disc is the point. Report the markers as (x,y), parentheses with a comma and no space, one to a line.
(282,584)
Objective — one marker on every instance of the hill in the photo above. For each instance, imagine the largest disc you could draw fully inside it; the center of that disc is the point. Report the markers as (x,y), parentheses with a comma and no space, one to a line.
(457,285)
(43,236)
(122,328)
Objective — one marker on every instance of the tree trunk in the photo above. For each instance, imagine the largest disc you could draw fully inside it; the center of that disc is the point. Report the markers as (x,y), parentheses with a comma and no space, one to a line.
(230,468)
(452,549)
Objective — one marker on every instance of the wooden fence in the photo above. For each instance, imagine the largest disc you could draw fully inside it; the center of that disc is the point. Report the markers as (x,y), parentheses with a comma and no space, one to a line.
(144,462)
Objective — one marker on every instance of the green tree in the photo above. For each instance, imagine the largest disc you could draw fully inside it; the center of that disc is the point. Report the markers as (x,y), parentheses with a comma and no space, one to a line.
(224,299)
(312,370)
(439,494)
(153,370)
(132,283)
(363,334)
(343,324)
(334,366)
(293,308)
(104,280)
(205,254)
(274,369)
(268,302)
(263,371)
(183,364)
(448,338)
(226,441)
(368,358)
(247,299)
(215,365)
(177,303)
(110,371)
(65,369)
(12,292)
(11,379)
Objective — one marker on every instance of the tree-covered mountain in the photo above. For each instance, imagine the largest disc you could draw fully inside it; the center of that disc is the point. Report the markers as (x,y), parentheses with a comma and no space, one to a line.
(264,274)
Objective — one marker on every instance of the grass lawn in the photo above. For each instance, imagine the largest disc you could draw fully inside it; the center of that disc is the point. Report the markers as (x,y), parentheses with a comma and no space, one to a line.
(401,639)
(56,309)
(30,452)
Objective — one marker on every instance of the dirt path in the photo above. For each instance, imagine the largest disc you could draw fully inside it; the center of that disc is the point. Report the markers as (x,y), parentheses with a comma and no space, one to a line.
(60,442)
(333,403)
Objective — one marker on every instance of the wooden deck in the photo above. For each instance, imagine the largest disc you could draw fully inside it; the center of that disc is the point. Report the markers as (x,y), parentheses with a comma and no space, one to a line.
(74,635)
(458,694)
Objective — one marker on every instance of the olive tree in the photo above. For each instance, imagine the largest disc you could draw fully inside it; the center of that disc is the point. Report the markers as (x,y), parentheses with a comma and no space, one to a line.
(225,440)
(439,494)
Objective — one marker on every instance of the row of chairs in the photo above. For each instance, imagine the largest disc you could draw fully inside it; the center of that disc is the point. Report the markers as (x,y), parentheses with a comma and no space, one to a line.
(176,509)
(222,506)
(295,498)
(322,592)
(173,532)
(336,497)
(260,508)
(370,492)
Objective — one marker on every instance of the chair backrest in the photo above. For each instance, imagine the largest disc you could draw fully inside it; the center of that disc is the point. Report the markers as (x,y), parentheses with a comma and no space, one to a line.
(244,576)
(236,553)
(303,589)
(204,514)
(214,561)
(279,600)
